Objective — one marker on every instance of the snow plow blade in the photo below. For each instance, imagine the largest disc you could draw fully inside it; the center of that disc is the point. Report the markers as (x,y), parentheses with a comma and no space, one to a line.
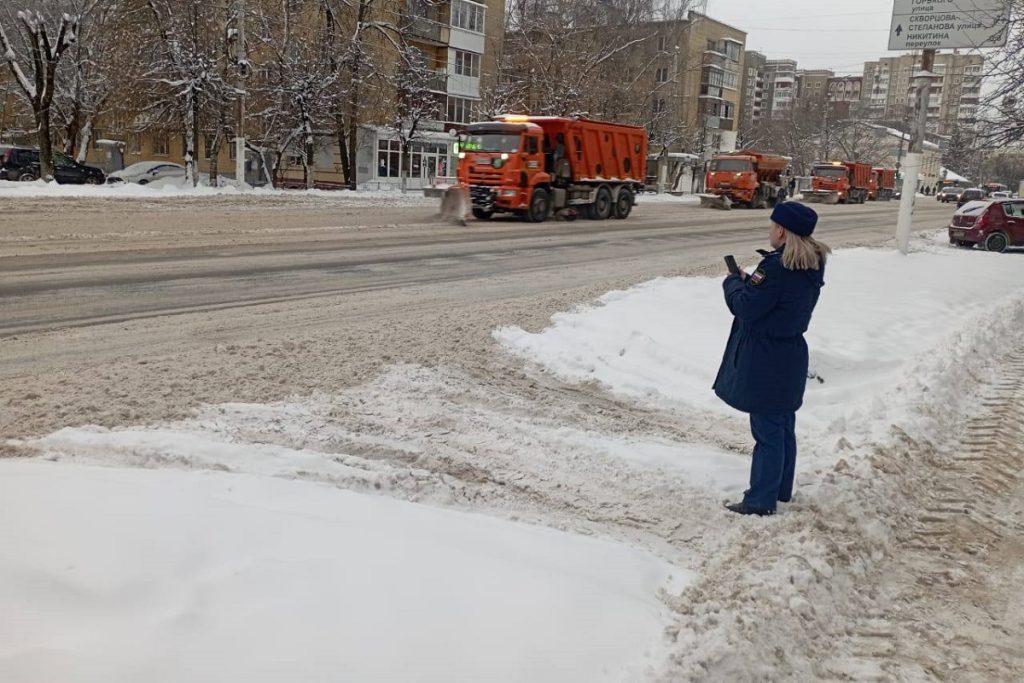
(821,198)
(455,204)
(713,201)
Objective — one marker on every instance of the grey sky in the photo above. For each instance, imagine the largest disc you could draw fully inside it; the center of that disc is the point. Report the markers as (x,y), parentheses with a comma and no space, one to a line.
(819,34)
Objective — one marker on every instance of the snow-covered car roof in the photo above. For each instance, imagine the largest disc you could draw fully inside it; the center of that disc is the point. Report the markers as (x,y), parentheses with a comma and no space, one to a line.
(972,207)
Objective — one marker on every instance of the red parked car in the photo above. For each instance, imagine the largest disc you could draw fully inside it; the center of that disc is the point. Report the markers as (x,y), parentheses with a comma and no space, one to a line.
(995,225)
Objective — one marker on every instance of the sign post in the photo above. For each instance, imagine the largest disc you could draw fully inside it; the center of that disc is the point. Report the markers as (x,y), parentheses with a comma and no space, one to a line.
(929,25)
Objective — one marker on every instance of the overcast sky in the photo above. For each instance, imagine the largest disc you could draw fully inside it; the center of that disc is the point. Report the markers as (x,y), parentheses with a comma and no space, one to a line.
(818,34)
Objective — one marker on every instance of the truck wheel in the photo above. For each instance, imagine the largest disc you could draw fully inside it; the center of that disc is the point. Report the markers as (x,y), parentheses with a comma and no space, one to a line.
(482,214)
(540,204)
(602,206)
(623,203)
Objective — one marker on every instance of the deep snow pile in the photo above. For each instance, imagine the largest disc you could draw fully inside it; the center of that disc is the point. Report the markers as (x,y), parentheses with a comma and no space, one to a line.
(879,311)
(116,575)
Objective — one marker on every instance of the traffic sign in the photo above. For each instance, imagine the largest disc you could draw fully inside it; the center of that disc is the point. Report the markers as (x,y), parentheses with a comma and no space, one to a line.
(938,24)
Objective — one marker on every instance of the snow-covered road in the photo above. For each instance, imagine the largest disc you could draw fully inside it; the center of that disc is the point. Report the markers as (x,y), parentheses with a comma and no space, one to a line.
(609,431)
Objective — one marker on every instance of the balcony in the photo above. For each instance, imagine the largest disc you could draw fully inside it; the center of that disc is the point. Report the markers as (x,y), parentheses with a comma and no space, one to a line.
(437,81)
(426,28)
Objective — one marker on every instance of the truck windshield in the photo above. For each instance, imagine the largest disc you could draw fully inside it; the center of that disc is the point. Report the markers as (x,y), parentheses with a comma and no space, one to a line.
(491,142)
(736,165)
(830,171)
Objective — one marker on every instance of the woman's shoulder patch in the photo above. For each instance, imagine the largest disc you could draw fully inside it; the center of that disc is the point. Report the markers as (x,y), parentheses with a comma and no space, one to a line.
(758,276)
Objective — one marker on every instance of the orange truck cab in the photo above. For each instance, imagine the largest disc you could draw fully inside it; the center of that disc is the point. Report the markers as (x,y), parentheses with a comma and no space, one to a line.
(535,166)
(848,181)
(883,183)
(748,178)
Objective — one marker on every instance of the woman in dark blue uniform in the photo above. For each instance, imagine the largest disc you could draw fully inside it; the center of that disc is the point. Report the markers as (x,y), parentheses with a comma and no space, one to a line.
(764,371)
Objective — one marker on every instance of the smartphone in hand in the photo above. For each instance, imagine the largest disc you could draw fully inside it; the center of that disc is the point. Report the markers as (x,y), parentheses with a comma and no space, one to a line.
(730,263)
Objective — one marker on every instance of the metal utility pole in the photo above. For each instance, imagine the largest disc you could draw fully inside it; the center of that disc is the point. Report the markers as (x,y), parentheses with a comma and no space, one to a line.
(242,73)
(915,155)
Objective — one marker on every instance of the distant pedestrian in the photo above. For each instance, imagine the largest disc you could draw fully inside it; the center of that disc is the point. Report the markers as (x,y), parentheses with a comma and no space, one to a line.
(792,186)
(764,370)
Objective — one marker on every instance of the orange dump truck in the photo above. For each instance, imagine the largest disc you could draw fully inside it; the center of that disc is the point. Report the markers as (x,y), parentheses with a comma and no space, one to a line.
(883,184)
(536,166)
(748,178)
(839,182)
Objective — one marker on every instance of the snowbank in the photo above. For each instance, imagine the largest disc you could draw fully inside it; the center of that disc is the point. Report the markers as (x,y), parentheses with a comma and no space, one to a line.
(116,575)
(178,188)
(666,198)
(879,311)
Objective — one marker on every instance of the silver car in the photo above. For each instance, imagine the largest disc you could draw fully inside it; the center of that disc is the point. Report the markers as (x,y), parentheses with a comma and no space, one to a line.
(145,172)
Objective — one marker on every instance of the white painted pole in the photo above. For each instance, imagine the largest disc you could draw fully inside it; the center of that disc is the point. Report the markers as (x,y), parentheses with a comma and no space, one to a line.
(912,165)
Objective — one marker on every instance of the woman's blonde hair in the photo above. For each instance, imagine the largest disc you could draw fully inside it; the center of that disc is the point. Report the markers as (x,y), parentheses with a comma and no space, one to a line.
(803,253)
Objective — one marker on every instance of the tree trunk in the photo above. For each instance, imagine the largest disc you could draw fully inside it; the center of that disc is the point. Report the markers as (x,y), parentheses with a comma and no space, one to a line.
(83,144)
(346,168)
(45,145)
(406,158)
(310,161)
(214,157)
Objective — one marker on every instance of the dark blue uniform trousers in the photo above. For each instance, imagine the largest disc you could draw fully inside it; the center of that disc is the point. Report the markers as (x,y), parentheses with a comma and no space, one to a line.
(771,473)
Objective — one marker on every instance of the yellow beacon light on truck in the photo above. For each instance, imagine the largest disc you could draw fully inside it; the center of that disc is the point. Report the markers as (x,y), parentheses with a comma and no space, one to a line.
(516,118)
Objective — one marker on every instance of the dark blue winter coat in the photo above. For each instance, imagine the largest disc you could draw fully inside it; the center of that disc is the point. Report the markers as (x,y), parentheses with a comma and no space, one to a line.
(765,365)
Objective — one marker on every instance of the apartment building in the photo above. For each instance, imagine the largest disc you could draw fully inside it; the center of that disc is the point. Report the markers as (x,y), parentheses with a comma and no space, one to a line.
(457,39)
(888,91)
(780,91)
(844,95)
(712,96)
(752,88)
(812,86)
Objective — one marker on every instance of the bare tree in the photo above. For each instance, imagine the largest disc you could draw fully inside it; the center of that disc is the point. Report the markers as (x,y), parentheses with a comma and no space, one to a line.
(1001,119)
(45,32)
(95,69)
(414,104)
(184,73)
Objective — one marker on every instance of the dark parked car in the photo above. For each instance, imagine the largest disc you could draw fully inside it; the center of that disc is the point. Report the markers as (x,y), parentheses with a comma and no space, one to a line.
(22,163)
(971,194)
(995,225)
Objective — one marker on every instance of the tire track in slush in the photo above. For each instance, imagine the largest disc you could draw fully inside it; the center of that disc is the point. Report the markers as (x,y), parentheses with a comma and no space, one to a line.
(961,522)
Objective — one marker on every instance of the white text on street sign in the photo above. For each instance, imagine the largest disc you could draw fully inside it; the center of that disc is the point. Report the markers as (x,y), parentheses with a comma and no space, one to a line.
(938,24)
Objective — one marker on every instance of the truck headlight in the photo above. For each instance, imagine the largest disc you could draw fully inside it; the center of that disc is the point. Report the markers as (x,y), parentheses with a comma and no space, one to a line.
(498,162)
(509,193)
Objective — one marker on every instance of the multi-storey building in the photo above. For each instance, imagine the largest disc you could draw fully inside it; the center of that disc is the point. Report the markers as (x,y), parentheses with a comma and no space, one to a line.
(712,91)
(812,86)
(888,91)
(780,81)
(844,94)
(752,88)
(456,39)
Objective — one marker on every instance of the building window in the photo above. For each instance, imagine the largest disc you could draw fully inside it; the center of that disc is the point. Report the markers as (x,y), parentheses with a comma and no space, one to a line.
(661,76)
(161,146)
(389,155)
(467,64)
(208,147)
(461,110)
(659,105)
(135,144)
(293,160)
(662,43)
(96,137)
(468,15)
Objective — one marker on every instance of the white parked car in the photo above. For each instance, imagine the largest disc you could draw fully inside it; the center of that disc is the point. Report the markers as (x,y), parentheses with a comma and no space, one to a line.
(145,172)
(999,195)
